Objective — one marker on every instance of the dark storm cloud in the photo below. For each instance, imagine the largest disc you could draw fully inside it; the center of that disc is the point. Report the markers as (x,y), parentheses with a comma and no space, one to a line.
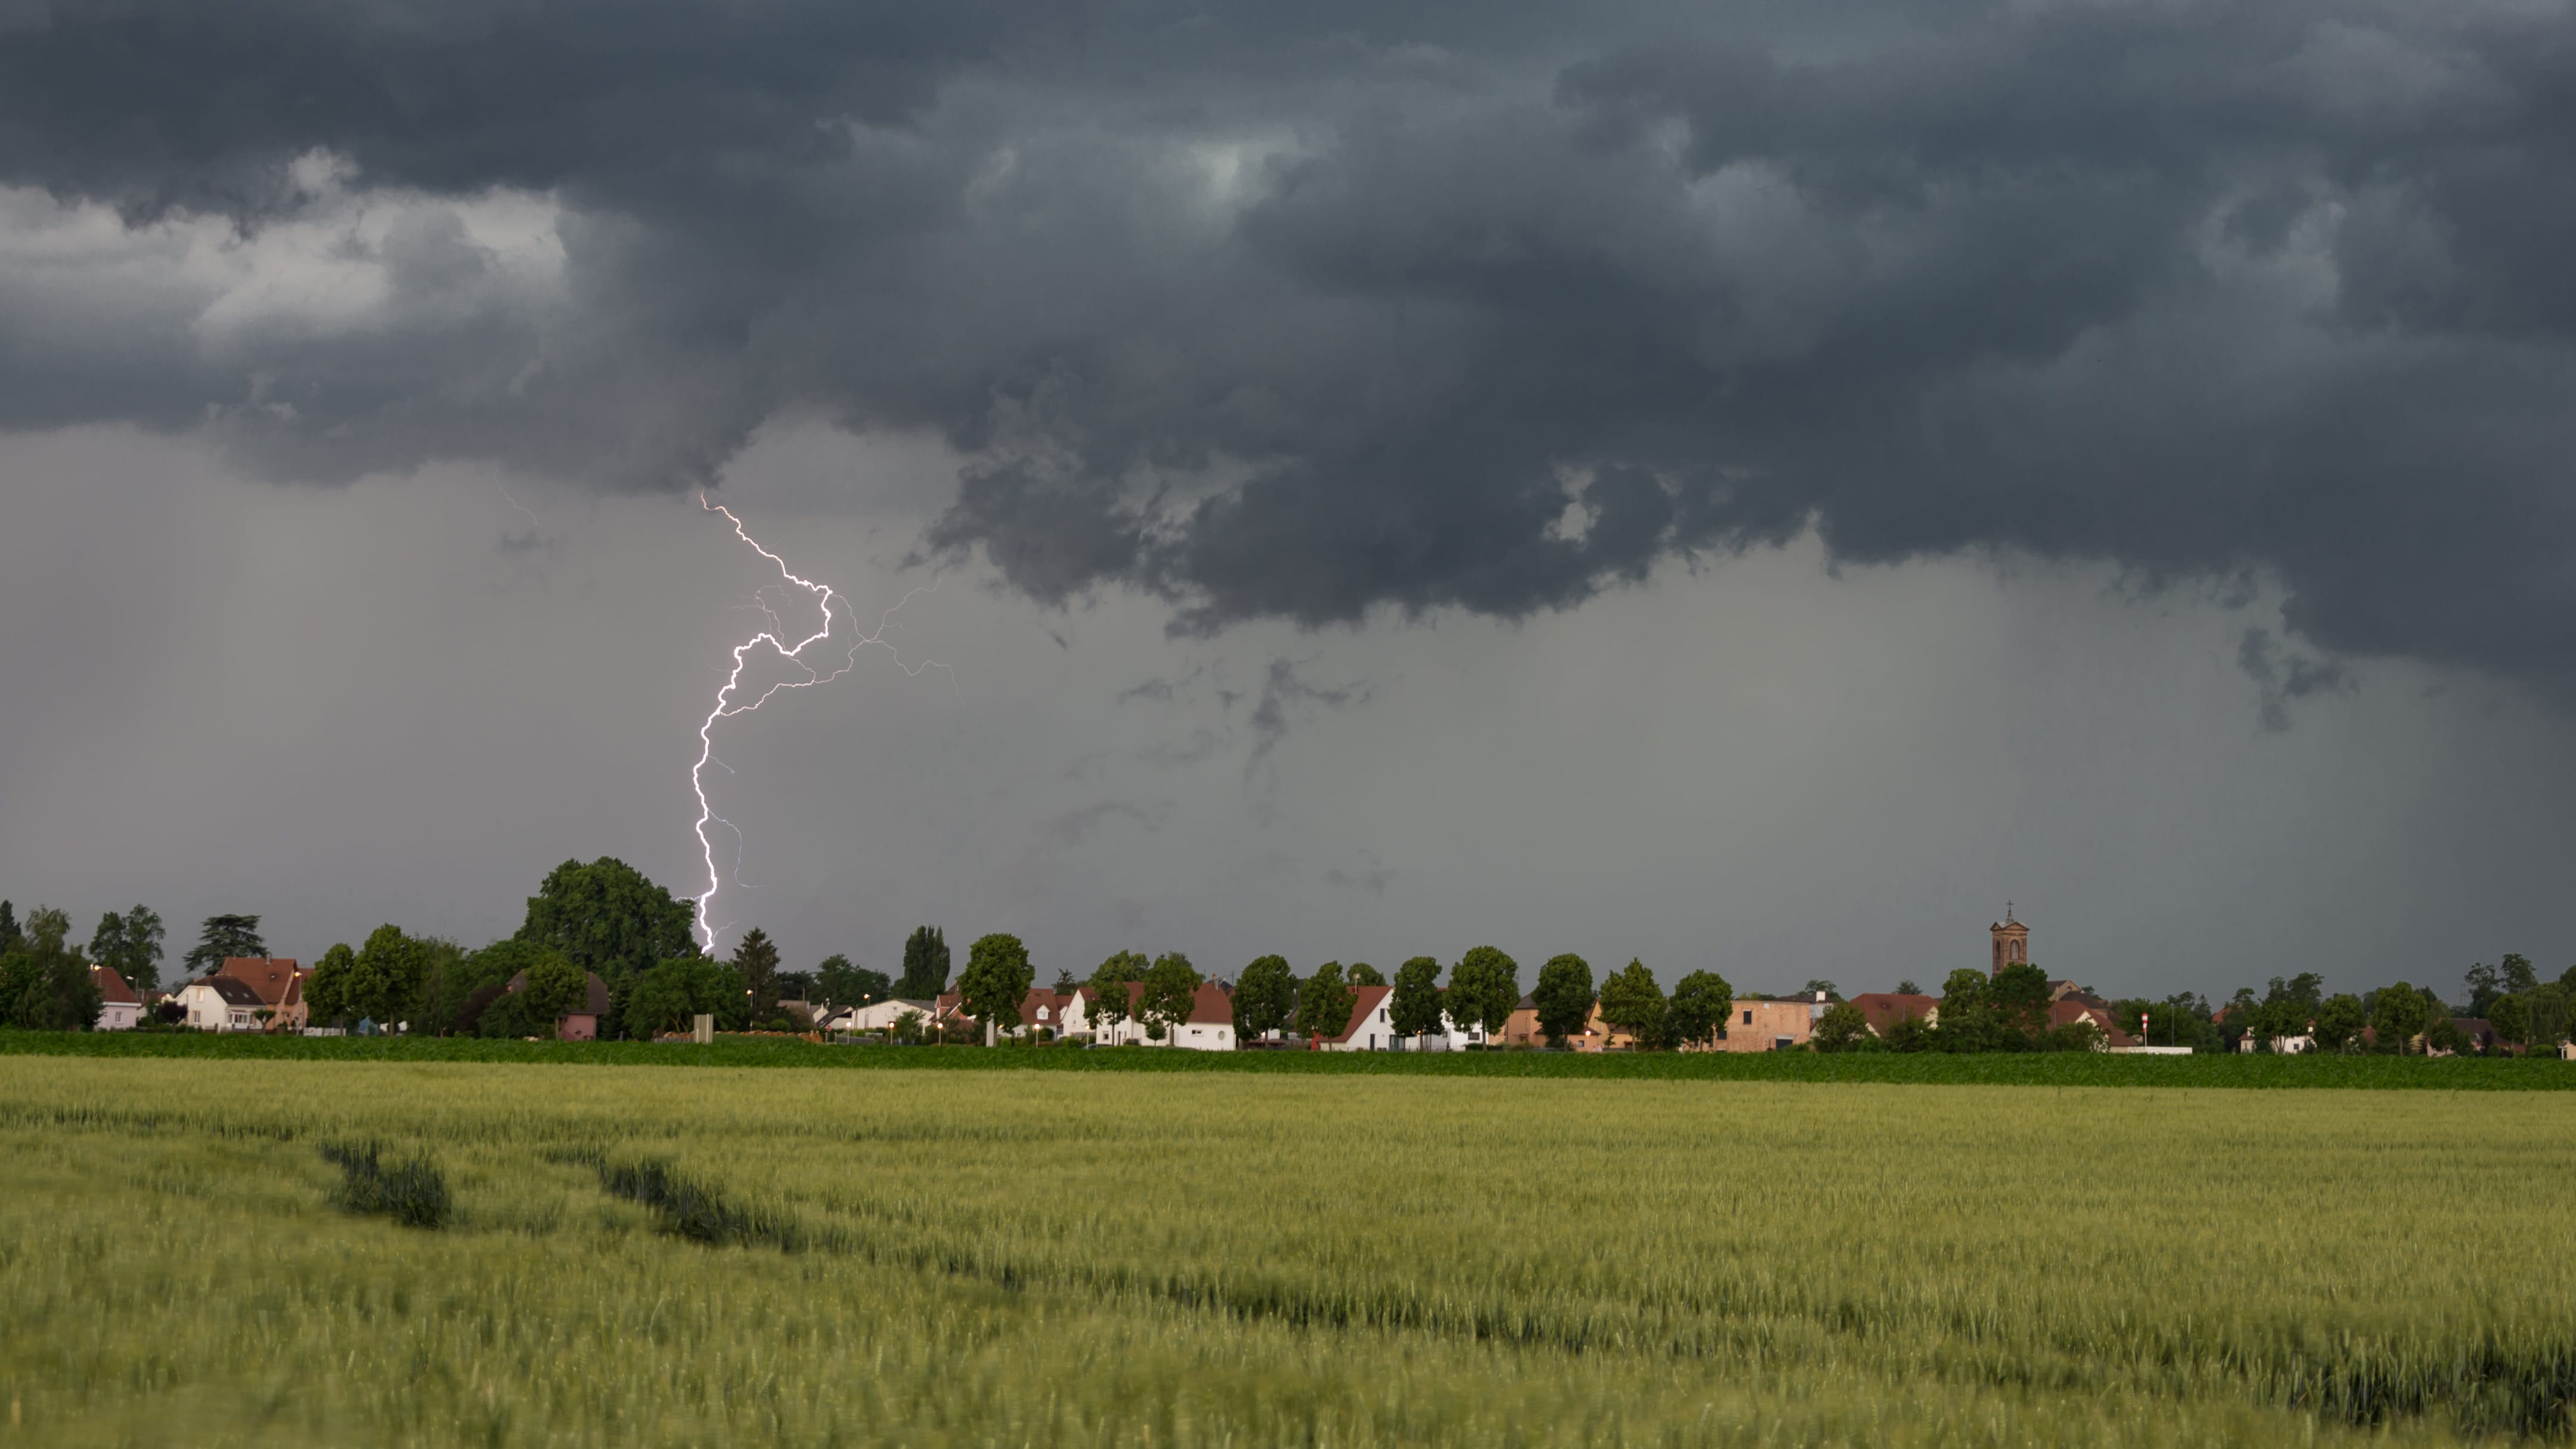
(1279,311)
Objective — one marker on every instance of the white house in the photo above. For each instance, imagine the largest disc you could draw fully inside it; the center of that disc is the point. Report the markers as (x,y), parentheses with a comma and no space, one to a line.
(877,1015)
(1210,1027)
(119,1007)
(221,1003)
(1370,1029)
(1211,1024)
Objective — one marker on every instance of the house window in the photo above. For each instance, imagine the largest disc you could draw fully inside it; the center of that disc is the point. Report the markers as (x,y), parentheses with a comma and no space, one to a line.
(1748,1018)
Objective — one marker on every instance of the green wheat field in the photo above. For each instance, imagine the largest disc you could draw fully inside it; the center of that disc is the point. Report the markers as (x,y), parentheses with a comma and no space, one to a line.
(239,1251)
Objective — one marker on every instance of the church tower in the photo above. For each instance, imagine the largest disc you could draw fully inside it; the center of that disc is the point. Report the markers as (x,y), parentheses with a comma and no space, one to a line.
(2012,943)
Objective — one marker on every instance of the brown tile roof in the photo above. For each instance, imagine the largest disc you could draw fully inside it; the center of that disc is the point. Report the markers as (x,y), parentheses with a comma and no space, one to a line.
(1363,1001)
(1213,1005)
(112,990)
(1041,997)
(1884,1009)
(274,978)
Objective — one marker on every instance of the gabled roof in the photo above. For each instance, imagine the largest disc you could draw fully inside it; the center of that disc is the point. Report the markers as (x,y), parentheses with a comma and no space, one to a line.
(1363,1001)
(112,990)
(274,978)
(1040,997)
(1212,1005)
(2070,1011)
(231,990)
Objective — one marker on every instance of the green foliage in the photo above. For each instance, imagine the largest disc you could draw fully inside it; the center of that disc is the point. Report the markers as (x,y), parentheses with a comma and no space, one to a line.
(1413,1007)
(996,979)
(925,964)
(842,984)
(1324,1002)
(9,933)
(668,997)
(130,945)
(327,986)
(385,979)
(1563,997)
(607,918)
(2339,1023)
(1909,1034)
(2510,1015)
(1843,1029)
(755,960)
(456,976)
(219,939)
(2547,1004)
(1701,1003)
(1363,974)
(1265,998)
(554,987)
(1631,1001)
(2398,1015)
(44,980)
(1109,988)
(1484,989)
(1171,987)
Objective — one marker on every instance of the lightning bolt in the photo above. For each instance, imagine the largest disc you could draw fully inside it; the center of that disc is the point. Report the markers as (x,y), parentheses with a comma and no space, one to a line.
(771,638)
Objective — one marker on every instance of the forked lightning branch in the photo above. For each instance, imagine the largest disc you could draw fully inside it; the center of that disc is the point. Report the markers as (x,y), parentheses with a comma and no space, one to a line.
(728,701)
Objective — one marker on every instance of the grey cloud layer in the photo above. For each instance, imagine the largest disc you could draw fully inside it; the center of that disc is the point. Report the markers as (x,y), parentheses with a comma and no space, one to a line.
(1412,307)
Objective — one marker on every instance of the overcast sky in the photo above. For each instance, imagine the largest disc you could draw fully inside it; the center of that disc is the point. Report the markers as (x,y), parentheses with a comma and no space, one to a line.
(1751,486)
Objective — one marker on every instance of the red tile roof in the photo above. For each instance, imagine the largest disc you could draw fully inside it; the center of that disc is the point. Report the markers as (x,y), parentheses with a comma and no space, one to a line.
(274,979)
(112,990)
(1040,997)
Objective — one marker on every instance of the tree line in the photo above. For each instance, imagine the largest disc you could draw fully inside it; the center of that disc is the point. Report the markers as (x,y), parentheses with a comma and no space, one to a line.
(606,918)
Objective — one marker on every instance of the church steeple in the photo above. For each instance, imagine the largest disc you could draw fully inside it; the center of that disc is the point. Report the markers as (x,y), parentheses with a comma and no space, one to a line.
(2012,942)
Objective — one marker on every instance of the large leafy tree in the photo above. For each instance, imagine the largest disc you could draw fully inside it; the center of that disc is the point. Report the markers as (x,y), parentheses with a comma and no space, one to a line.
(2398,1015)
(996,979)
(45,983)
(554,986)
(925,964)
(9,933)
(386,980)
(1842,1029)
(843,984)
(1265,998)
(1324,1002)
(2018,995)
(456,977)
(2510,1015)
(1413,1008)
(1109,988)
(2339,1022)
(1171,990)
(219,939)
(674,992)
(607,918)
(1484,987)
(755,959)
(1563,997)
(1700,1004)
(130,945)
(1631,1001)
